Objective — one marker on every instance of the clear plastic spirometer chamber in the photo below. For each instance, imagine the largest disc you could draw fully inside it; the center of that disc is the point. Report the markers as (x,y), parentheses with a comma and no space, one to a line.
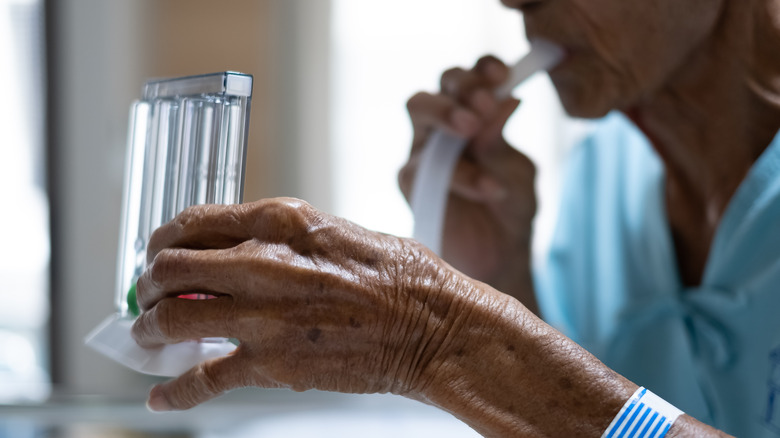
(186,146)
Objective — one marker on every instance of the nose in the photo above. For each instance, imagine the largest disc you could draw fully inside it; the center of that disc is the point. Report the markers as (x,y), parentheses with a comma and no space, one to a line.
(522,5)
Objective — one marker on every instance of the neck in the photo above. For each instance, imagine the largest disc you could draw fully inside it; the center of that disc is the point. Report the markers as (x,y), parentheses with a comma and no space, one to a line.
(708,131)
(713,119)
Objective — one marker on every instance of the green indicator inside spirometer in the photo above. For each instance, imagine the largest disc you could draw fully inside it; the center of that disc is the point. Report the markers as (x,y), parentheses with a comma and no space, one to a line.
(132,302)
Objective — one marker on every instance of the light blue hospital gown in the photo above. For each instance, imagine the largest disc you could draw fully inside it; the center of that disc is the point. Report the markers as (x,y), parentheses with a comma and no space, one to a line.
(611,283)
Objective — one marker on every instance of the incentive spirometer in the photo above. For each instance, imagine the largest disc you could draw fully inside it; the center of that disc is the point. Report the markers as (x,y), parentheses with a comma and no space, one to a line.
(186,146)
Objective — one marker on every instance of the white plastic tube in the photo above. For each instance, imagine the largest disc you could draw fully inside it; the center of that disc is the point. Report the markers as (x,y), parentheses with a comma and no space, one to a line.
(437,161)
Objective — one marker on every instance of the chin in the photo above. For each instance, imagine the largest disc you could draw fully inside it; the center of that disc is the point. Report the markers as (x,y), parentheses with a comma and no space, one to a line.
(583,105)
(586,101)
(584,110)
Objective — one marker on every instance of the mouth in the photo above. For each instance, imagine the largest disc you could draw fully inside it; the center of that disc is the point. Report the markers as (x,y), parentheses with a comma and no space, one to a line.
(568,54)
(568,50)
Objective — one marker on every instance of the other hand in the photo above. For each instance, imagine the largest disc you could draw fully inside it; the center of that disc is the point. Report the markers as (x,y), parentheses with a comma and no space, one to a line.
(487,232)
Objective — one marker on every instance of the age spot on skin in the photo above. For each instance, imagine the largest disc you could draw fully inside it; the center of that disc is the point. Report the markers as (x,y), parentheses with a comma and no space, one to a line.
(354,323)
(565,383)
(510,347)
(313,334)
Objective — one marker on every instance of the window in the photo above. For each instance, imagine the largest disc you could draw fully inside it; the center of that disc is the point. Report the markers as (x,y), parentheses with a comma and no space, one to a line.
(24,229)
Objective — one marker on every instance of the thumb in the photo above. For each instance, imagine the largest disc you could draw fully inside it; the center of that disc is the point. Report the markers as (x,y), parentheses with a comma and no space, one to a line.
(201,383)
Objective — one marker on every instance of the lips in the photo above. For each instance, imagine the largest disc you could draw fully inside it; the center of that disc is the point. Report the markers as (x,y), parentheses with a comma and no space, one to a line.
(568,55)
(572,50)
(568,51)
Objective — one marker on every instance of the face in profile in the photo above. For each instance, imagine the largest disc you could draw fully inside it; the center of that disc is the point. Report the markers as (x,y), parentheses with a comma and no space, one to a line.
(619,52)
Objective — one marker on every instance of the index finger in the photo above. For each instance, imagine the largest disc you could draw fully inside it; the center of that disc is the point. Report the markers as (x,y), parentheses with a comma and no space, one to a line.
(431,111)
(209,226)
(493,69)
(488,72)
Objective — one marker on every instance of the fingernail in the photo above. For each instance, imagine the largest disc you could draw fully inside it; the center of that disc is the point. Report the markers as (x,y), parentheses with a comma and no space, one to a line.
(492,189)
(157,401)
(464,122)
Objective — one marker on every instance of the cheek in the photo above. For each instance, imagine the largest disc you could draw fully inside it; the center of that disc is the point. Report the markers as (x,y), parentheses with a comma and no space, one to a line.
(595,80)
(623,50)
(602,71)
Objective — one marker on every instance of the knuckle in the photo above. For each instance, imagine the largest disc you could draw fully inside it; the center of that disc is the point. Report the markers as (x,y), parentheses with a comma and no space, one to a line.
(187,217)
(492,68)
(453,72)
(210,380)
(417,101)
(162,316)
(283,219)
(183,396)
(182,402)
(140,329)
(487,61)
(179,226)
(161,267)
(451,80)
(156,243)
(143,291)
(294,211)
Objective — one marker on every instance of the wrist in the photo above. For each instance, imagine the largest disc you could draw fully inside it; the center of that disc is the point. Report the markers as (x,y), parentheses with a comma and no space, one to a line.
(510,374)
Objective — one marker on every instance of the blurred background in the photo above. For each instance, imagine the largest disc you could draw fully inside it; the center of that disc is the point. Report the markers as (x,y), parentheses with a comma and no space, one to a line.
(328,125)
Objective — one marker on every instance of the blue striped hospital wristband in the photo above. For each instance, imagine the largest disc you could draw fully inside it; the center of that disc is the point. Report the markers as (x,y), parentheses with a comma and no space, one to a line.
(645,415)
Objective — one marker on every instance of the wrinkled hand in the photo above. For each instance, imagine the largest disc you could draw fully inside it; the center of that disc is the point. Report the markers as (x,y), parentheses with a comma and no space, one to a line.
(315,301)
(318,302)
(487,230)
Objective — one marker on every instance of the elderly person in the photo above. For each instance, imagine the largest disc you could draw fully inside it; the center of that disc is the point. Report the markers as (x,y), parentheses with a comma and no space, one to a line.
(666,263)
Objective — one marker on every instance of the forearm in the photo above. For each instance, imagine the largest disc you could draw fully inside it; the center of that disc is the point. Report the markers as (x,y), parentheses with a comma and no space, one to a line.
(516,280)
(519,377)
